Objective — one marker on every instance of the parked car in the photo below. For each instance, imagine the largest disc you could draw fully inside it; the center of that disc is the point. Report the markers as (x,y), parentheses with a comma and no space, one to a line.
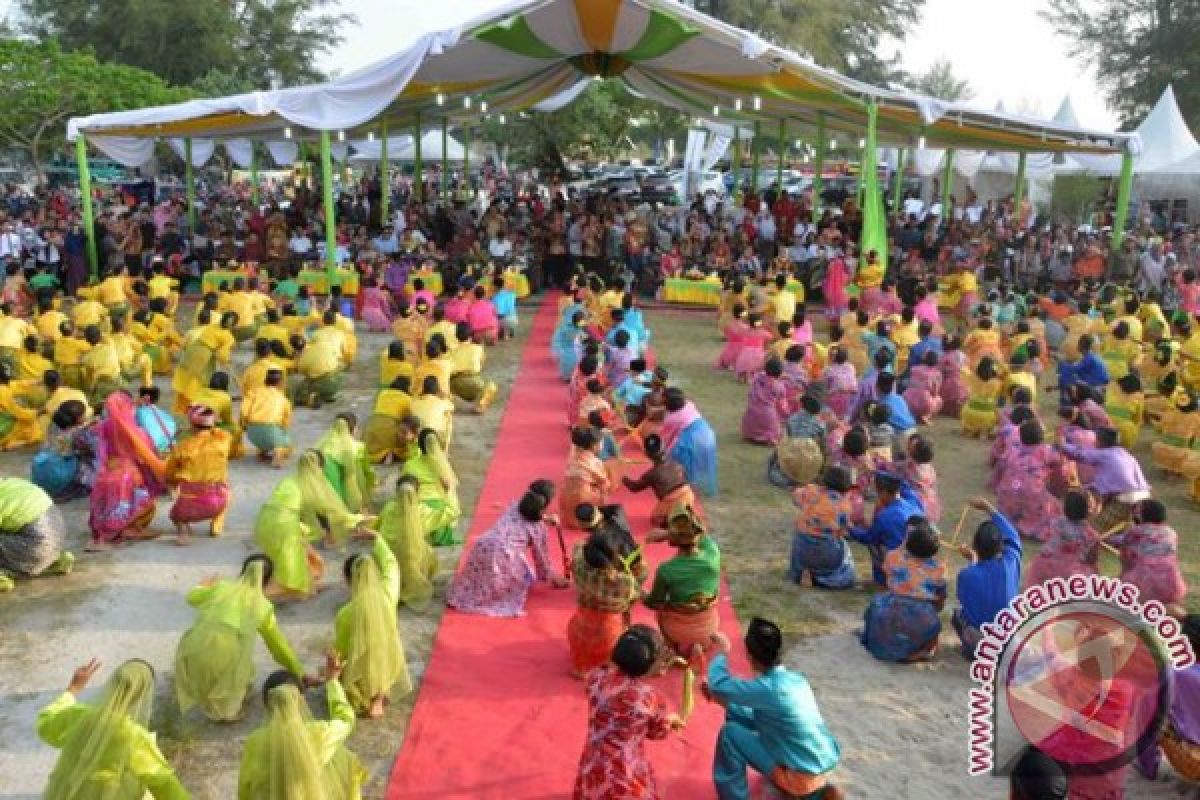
(711,180)
(659,188)
(622,186)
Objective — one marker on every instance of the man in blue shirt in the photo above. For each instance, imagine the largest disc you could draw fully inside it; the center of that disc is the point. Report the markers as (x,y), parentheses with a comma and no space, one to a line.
(505,302)
(928,344)
(899,415)
(772,722)
(1089,369)
(988,585)
(897,503)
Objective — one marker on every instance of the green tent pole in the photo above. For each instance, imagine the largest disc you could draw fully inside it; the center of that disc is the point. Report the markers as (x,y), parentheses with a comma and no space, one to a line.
(947,186)
(85,192)
(737,158)
(254,174)
(330,211)
(1019,192)
(754,158)
(189,183)
(874,229)
(819,167)
(466,184)
(1124,190)
(445,182)
(418,165)
(385,176)
(782,150)
(898,188)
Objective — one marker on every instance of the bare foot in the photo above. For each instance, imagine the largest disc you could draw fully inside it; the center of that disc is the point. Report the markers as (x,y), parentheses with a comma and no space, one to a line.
(376,709)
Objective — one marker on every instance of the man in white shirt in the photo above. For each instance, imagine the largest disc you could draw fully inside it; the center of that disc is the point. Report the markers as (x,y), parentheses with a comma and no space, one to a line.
(10,242)
(500,247)
(300,244)
(914,207)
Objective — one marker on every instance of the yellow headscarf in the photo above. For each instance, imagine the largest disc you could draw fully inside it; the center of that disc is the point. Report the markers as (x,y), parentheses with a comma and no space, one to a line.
(293,761)
(375,658)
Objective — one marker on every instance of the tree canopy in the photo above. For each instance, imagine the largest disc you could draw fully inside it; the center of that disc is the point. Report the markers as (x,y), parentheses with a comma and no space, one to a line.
(259,42)
(940,81)
(845,35)
(43,86)
(1137,47)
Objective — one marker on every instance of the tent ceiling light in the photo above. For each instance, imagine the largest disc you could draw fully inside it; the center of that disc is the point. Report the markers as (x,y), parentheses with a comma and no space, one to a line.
(737,105)
(441,99)
(502,119)
(467,101)
(370,136)
(921,143)
(833,144)
(483,106)
(341,136)
(862,143)
(287,133)
(716,111)
(757,103)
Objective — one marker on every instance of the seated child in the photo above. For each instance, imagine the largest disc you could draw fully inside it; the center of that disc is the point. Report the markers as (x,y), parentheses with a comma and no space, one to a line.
(918,471)
(903,623)
(158,423)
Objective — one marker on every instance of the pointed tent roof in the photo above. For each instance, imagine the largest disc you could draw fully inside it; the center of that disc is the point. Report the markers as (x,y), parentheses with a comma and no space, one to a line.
(1165,140)
(467,59)
(1066,113)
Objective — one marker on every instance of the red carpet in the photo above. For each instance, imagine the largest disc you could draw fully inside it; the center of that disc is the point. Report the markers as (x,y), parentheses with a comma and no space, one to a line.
(498,715)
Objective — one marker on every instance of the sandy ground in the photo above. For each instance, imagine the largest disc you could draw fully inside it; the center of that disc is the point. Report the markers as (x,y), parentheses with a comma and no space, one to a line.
(902,729)
(130,602)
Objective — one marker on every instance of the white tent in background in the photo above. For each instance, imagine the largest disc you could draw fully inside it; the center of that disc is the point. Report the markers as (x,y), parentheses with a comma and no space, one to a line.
(1166,140)
(400,148)
(997,175)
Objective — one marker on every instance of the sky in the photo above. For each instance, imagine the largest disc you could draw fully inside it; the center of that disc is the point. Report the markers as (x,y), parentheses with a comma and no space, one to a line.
(1013,56)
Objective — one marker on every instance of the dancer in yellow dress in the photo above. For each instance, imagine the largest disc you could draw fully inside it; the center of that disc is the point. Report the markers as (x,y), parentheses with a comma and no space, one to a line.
(366,635)
(401,527)
(198,468)
(210,346)
(984,389)
(214,663)
(346,464)
(266,416)
(18,423)
(106,749)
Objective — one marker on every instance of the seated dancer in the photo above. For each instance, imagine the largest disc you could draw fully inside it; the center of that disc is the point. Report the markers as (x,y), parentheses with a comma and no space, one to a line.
(991,579)
(823,521)
(506,560)
(319,372)
(64,467)
(1072,547)
(382,431)
(895,505)
(686,586)
(214,663)
(130,476)
(483,317)
(841,383)
(432,405)
(467,382)
(157,422)
(437,489)
(1149,554)
(924,392)
(208,345)
(266,416)
(1180,738)
(984,387)
(605,589)
(665,478)
(800,455)
(1089,369)
(346,464)
(18,423)
(400,526)
(292,755)
(918,472)
(772,723)
(393,364)
(1126,407)
(690,440)
(586,479)
(624,711)
(31,533)
(1023,490)
(1117,481)
(902,624)
(366,634)
(955,391)
(198,468)
(766,405)
(302,508)
(106,749)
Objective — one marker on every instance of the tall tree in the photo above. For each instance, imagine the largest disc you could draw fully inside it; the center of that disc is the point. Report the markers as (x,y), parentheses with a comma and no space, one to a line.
(1137,47)
(845,35)
(940,81)
(259,41)
(44,86)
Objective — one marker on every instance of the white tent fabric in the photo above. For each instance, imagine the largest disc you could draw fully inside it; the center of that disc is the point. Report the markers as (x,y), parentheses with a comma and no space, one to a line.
(283,153)
(400,148)
(338,151)
(519,53)
(202,150)
(1165,140)
(562,99)
(240,151)
(128,151)
(718,145)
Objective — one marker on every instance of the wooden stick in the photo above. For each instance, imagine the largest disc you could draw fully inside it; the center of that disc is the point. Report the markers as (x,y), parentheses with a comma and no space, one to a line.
(958,528)
(1114,530)
(1110,548)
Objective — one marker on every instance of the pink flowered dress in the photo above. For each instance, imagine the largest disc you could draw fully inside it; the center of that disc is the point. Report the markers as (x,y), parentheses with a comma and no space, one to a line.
(735,336)
(623,713)
(1022,493)
(954,390)
(1071,549)
(376,309)
(498,571)
(923,479)
(841,388)
(924,392)
(1149,560)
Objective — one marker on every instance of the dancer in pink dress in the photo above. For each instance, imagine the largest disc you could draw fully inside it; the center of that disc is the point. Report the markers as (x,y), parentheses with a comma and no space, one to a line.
(924,392)
(954,388)
(841,383)
(735,336)
(1150,555)
(376,307)
(833,289)
(753,354)
(1072,547)
(919,472)
(766,405)
(1022,494)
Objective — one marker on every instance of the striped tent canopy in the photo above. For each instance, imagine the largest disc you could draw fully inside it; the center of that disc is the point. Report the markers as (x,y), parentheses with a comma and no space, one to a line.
(487,56)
